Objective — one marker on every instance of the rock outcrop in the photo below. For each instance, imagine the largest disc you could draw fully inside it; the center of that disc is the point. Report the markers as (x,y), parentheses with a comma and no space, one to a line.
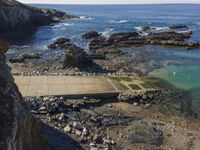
(126,39)
(18,129)
(18,20)
(59,43)
(91,34)
(76,57)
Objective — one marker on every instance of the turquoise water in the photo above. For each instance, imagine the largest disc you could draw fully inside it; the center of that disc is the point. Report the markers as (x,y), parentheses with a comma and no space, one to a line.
(184,72)
(182,76)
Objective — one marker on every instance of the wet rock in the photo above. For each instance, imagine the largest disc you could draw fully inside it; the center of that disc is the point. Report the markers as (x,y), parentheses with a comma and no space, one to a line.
(171,35)
(23,57)
(31,56)
(123,36)
(91,34)
(178,26)
(127,39)
(62,40)
(59,43)
(147,28)
(18,59)
(52,46)
(99,42)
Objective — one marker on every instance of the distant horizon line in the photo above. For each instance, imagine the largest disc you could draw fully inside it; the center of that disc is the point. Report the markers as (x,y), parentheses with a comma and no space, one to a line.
(117,3)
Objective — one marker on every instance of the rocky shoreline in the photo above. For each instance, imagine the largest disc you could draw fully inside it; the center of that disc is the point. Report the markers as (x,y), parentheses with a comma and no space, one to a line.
(120,54)
(111,124)
(143,120)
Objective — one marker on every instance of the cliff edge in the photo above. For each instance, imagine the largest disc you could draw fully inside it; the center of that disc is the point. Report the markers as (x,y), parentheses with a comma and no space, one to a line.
(18,129)
(17,19)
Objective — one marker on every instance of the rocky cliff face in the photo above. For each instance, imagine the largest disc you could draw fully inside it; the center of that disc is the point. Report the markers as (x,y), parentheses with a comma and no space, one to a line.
(18,129)
(17,19)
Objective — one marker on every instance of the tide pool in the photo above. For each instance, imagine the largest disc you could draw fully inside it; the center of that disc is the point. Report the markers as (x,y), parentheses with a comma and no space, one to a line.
(181,76)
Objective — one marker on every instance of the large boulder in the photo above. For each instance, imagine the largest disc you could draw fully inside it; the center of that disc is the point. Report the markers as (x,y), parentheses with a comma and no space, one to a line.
(76,57)
(18,20)
(18,129)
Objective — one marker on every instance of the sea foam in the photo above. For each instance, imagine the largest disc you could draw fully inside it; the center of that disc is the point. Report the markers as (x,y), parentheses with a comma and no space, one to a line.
(107,32)
(85,18)
(120,21)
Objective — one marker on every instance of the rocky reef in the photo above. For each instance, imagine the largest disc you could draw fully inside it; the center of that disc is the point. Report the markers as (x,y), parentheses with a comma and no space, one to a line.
(18,129)
(19,20)
(147,36)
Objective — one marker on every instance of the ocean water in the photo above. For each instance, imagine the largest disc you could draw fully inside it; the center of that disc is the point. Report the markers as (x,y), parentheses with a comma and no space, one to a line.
(184,72)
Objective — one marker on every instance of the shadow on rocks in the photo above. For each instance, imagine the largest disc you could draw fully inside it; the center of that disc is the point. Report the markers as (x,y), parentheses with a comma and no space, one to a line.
(58,140)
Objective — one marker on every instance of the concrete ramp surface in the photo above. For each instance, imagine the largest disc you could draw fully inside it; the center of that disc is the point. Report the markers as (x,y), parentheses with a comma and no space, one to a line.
(64,85)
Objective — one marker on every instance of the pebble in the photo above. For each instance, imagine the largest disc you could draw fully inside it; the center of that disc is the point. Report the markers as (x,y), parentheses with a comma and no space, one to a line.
(85,131)
(93,148)
(78,132)
(147,106)
(110,105)
(92,144)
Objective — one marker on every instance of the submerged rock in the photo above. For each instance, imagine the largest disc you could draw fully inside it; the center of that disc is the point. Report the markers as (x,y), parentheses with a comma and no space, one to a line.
(178,26)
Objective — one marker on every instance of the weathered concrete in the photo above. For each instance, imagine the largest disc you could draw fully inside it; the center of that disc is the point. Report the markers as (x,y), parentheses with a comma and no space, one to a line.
(65,85)
(77,86)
